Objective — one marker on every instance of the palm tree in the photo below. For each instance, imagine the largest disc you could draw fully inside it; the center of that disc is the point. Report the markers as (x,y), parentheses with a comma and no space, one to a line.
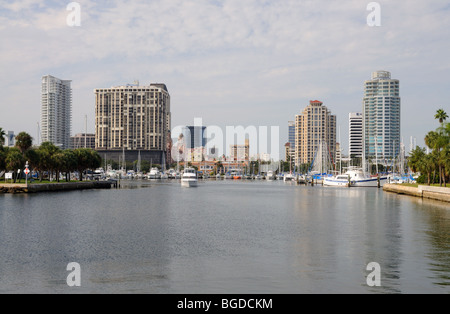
(14,160)
(441,115)
(24,141)
(2,137)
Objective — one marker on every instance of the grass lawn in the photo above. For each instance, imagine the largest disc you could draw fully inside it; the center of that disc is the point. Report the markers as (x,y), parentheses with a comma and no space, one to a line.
(416,185)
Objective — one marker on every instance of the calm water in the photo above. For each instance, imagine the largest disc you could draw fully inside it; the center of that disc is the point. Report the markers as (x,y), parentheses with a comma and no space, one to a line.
(223,237)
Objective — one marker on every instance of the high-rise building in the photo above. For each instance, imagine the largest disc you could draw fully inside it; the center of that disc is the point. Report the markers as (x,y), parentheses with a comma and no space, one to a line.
(291,129)
(56,111)
(82,140)
(133,120)
(313,127)
(355,135)
(10,139)
(241,152)
(381,116)
(194,136)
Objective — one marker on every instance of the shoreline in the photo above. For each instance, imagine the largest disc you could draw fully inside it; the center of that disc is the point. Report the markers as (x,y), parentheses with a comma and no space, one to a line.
(423,191)
(53,187)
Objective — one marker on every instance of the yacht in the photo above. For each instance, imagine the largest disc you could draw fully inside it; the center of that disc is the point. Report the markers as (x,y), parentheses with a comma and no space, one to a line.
(270,176)
(339,180)
(154,174)
(357,178)
(289,177)
(189,178)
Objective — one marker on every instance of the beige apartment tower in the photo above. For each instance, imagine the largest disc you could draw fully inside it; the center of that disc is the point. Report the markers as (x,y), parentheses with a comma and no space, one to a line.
(313,127)
(132,120)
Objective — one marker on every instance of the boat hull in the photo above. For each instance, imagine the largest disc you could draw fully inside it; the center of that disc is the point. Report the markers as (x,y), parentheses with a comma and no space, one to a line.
(189,183)
(369,182)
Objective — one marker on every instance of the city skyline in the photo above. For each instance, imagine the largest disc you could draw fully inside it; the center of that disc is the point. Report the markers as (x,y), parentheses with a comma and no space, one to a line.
(275,51)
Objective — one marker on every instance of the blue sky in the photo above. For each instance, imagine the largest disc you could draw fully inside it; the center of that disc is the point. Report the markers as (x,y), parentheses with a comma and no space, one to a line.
(230,62)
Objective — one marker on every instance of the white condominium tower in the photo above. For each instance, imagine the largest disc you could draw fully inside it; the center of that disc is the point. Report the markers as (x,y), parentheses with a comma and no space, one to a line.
(381,116)
(133,118)
(56,111)
(355,135)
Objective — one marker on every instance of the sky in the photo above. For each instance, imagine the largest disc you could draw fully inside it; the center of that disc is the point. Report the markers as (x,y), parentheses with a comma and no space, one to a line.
(229,62)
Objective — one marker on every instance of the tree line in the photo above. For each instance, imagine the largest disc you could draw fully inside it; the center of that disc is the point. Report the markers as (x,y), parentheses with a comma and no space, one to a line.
(47,159)
(434,166)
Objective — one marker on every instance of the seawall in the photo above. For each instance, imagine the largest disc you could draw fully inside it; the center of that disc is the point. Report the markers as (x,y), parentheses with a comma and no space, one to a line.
(429,192)
(53,187)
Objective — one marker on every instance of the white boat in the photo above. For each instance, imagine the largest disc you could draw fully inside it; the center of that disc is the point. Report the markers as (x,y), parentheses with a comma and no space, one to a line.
(289,177)
(154,174)
(358,178)
(270,176)
(189,178)
(339,180)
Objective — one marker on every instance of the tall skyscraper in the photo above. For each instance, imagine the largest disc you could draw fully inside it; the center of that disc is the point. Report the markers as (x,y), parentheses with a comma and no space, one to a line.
(381,116)
(316,125)
(131,119)
(56,111)
(355,126)
(291,129)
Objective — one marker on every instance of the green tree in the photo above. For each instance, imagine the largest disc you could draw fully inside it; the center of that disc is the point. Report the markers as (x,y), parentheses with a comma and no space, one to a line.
(70,163)
(24,141)
(87,159)
(416,159)
(3,152)
(46,151)
(2,137)
(14,161)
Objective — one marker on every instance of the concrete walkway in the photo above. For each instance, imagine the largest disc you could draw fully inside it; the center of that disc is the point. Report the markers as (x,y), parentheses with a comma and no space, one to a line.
(423,191)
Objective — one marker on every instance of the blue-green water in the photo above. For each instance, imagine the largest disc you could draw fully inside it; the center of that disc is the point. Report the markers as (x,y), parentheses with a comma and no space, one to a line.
(223,237)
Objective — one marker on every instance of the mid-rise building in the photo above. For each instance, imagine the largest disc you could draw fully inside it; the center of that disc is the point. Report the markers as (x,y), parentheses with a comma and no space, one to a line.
(315,127)
(56,111)
(132,120)
(82,140)
(355,135)
(381,116)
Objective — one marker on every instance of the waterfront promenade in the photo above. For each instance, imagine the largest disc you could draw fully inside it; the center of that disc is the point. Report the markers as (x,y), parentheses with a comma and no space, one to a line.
(422,191)
(53,187)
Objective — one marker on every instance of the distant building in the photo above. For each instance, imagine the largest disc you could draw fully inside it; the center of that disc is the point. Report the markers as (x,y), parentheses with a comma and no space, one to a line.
(287,151)
(355,135)
(133,120)
(82,140)
(56,111)
(381,116)
(338,152)
(315,125)
(291,129)
(194,136)
(241,152)
(10,139)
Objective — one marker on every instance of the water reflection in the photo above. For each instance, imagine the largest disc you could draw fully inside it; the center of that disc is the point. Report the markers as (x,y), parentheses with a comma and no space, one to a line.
(223,237)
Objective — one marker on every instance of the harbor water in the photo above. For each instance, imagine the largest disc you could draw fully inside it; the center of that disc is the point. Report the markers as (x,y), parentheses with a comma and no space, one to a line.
(223,237)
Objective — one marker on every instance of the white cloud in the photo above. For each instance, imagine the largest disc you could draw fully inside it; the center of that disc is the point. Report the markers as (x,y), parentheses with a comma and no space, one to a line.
(263,60)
